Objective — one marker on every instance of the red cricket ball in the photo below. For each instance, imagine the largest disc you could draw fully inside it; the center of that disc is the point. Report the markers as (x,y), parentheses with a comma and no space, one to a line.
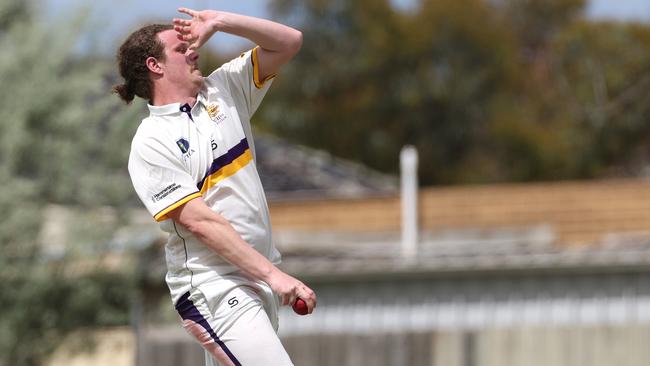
(300,307)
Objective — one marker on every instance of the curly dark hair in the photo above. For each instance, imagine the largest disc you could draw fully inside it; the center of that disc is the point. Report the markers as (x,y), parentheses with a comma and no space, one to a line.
(131,60)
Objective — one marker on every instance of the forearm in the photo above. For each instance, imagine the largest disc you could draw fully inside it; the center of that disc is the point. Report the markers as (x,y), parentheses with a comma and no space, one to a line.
(214,231)
(278,43)
(269,35)
(222,238)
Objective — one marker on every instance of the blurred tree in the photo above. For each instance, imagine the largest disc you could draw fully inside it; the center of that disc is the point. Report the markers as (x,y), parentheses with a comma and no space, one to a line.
(370,79)
(601,73)
(585,95)
(535,22)
(62,140)
(485,89)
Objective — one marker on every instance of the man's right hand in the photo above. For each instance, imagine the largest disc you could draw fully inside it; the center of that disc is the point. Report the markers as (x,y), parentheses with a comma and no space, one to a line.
(289,289)
(197,30)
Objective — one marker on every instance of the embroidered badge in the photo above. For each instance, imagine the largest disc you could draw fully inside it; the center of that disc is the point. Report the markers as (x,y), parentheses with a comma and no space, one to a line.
(213,111)
(183,144)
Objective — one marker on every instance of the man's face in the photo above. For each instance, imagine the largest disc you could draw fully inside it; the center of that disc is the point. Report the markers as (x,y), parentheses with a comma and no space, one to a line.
(180,65)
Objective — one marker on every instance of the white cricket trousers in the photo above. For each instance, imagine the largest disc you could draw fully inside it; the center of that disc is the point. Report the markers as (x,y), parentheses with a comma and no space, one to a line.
(235,320)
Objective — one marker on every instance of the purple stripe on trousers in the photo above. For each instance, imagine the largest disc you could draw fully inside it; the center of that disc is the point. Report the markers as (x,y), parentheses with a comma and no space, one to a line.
(188,311)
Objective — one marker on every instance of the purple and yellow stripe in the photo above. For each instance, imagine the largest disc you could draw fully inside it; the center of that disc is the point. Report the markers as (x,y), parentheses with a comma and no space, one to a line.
(259,84)
(226,165)
(162,215)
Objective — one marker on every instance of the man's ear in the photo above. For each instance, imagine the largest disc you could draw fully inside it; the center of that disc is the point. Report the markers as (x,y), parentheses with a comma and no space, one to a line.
(153,65)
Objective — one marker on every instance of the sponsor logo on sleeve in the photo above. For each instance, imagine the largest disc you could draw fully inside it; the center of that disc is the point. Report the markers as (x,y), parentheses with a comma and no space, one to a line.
(165,192)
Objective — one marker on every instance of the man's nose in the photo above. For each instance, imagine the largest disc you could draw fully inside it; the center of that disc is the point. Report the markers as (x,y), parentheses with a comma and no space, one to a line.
(192,55)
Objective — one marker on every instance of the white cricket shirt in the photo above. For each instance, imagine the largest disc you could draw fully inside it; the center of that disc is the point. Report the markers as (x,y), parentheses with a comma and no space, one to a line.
(179,154)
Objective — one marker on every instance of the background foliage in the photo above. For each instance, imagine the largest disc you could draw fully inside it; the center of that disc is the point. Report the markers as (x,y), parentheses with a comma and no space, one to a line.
(489,91)
(63,141)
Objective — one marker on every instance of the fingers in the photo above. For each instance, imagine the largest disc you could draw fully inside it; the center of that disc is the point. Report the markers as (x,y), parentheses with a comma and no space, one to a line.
(182,22)
(185,31)
(182,29)
(311,302)
(308,295)
(187,38)
(289,289)
(187,11)
(303,292)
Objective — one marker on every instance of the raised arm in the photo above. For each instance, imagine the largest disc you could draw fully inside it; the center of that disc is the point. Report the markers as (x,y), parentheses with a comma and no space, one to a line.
(278,43)
(214,231)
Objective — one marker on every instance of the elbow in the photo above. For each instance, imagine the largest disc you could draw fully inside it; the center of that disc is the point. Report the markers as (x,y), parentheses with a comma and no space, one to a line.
(195,227)
(196,218)
(295,41)
(199,227)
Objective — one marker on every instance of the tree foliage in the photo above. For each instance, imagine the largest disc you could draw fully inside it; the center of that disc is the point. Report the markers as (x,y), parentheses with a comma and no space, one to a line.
(488,91)
(63,139)
(41,308)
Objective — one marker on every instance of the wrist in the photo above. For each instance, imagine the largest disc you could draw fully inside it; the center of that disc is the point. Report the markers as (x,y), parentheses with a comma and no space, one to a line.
(217,20)
(268,273)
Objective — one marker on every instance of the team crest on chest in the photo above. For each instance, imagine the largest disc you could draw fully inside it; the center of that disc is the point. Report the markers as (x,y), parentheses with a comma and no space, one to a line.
(214,112)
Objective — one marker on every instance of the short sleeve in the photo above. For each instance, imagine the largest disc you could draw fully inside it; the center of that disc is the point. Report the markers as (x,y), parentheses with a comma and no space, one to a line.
(159,178)
(241,77)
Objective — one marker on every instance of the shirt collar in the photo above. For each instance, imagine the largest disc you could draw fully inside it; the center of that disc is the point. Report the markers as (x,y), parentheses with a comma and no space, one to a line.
(160,110)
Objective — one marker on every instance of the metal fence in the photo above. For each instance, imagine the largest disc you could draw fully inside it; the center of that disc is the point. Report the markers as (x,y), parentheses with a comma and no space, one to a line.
(526,346)
(504,320)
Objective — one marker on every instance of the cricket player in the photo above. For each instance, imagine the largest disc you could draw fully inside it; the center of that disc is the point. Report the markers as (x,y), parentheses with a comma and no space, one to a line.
(192,163)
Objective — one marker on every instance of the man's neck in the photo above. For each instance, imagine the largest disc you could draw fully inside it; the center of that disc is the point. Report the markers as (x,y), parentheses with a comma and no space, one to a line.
(159,101)
(169,95)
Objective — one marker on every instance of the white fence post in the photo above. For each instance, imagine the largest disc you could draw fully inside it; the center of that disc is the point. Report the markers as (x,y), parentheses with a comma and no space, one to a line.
(409,198)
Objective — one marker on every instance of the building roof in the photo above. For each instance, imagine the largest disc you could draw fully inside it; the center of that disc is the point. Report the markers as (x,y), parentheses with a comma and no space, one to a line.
(293,171)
